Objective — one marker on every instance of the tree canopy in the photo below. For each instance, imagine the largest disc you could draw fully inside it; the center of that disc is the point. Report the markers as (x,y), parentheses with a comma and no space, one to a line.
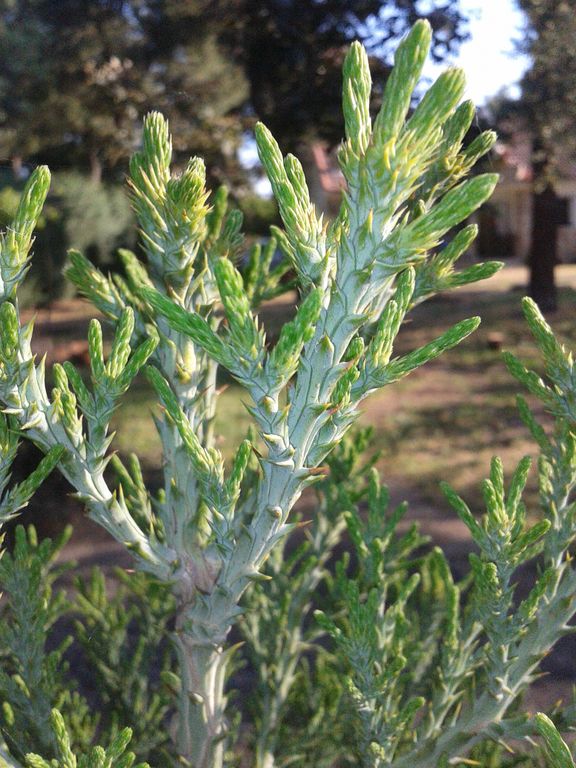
(78,75)
(292,53)
(547,109)
(549,86)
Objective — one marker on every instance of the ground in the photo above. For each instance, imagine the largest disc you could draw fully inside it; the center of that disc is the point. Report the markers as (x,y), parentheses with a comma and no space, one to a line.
(443,422)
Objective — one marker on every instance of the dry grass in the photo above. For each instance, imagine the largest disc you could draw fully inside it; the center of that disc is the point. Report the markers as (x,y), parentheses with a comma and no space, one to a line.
(447,420)
(443,422)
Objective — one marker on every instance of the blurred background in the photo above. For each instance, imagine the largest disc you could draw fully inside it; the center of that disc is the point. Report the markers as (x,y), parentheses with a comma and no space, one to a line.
(77,76)
(76,79)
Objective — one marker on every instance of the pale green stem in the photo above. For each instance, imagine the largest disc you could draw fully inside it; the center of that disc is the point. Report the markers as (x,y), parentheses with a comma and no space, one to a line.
(455,669)
(489,710)
(29,401)
(199,721)
(6,759)
(182,497)
(200,724)
(89,482)
(281,484)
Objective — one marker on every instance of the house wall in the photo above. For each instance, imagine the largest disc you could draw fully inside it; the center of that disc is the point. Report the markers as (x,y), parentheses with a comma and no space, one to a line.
(512,202)
(511,210)
(505,221)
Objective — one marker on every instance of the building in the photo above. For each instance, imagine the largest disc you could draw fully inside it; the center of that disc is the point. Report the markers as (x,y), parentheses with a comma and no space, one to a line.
(507,217)
(505,221)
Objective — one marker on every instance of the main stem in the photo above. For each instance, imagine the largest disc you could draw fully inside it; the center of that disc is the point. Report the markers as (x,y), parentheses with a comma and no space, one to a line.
(202,658)
(199,724)
(200,727)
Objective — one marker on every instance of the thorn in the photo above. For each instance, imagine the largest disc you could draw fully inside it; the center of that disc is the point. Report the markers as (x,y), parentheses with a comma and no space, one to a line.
(321,470)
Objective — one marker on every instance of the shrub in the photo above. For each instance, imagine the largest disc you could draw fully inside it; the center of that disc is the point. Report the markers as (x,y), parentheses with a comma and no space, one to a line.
(94,217)
(382,659)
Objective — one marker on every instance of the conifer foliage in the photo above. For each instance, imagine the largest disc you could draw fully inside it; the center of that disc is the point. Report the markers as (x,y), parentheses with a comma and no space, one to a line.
(375,658)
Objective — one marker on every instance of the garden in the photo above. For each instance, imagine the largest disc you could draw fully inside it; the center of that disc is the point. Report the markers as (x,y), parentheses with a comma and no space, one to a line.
(264,597)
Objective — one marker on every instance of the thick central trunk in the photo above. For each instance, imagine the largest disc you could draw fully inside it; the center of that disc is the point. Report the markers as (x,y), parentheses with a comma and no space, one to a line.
(200,725)
(543,250)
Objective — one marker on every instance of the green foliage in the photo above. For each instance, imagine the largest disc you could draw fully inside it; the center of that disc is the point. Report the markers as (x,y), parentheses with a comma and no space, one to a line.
(79,75)
(557,752)
(278,625)
(93,217)
(98,757)
(296,78)
(9,200)
(124,641)
(33,679)
(17,497)
(376,657)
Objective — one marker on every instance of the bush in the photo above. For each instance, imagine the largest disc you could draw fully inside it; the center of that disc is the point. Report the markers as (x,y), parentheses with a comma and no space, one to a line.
(374,657)
(96,218)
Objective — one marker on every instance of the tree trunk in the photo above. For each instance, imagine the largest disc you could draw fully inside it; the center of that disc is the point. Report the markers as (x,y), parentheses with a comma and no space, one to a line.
(543,249)
(200,726)
(95,168)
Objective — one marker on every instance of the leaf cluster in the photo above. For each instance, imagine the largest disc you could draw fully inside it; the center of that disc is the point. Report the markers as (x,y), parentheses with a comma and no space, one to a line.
(394,662)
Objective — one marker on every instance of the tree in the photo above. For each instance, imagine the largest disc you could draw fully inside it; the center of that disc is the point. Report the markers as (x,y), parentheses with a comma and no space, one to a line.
(292,52)
(549,104)
(199,85)
(68,91)
(80,74)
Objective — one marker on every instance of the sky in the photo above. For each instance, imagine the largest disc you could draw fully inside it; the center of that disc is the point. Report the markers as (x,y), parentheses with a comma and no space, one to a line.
(488,57)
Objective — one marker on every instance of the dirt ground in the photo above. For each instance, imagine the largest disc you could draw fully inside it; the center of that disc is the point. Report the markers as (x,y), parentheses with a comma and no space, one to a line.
(60,334)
